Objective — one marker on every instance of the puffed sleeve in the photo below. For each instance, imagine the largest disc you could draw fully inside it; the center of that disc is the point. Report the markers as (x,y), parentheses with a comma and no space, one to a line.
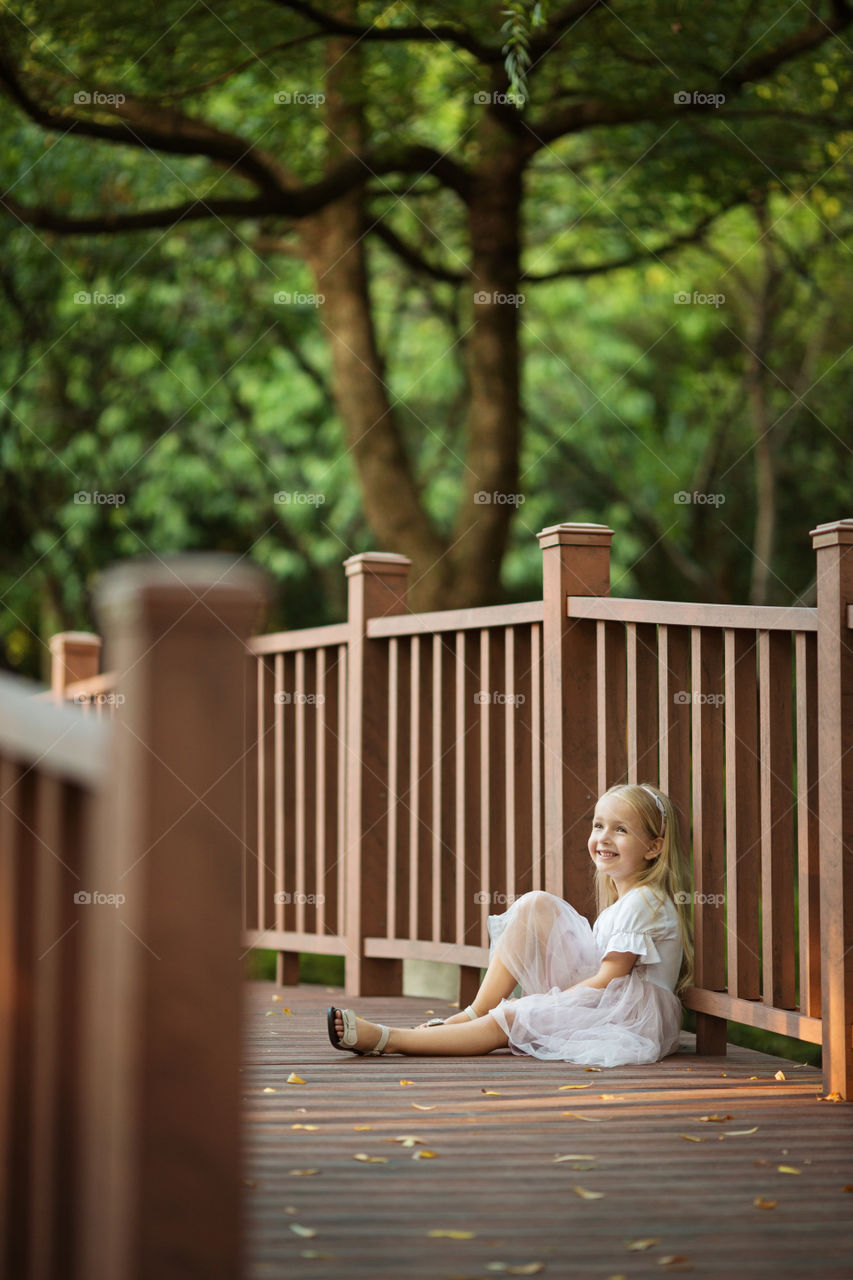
(631,925)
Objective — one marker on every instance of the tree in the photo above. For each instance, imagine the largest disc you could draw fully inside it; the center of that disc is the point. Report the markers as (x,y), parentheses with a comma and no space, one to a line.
(644,120)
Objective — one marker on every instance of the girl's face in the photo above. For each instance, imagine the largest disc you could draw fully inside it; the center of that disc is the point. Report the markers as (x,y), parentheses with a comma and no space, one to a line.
(619,844)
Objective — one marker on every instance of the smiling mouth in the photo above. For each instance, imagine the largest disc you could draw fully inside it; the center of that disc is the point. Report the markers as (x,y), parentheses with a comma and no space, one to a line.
(602,853)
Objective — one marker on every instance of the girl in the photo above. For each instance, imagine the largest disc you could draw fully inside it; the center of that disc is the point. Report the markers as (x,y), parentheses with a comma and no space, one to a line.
(601,996)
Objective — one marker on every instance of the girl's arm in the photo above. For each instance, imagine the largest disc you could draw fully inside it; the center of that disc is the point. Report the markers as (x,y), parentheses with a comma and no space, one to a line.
(616,964)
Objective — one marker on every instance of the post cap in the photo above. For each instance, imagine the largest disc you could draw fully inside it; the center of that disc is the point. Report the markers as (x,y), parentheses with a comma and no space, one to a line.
(834,533)
(385,563)
(79,639)
(216,582)
(568,534)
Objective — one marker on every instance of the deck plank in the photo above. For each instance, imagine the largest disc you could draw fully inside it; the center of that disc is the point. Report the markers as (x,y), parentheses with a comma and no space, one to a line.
(495,1175)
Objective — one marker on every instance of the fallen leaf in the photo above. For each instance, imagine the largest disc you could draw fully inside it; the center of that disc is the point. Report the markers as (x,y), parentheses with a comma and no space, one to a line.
(738,1133)
(520,1269)
(645,1243)
(362,1128)
(576,1115)
(574,1086)
(847,1187)
(560,1159)
(670,1258)
(608,1097)
(688,1137)
(407,1082)
(780,1075)
(716,1118)
(312,1127)
(269,1013)
(752,1077)
(443,1233)
(290,1011)
(314,1253)
(760,1203)
(407,1139)
(592,1068)
(269,1090)
(425,1155)
(588,1195)
(303,1173)
(419,1106)
(293,1078)
(491,1093)
(788,1168)
(366,1159)
(277,998)
(829,1097)
(307,1232)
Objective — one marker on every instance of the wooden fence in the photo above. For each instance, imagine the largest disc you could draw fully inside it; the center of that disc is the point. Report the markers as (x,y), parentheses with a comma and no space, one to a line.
(120,872)
(407,775)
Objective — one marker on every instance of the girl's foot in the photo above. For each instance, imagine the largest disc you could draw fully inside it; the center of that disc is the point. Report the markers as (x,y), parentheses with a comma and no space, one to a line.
(368,1035)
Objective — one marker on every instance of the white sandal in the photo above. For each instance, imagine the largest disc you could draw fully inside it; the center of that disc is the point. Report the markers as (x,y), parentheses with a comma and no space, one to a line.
(346,1042)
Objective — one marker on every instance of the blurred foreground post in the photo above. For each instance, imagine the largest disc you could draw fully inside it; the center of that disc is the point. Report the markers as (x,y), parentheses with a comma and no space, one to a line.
(159,1193)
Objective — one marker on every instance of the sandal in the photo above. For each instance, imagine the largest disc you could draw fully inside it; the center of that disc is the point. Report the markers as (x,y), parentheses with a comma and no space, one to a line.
(439,1022)
(350,1035)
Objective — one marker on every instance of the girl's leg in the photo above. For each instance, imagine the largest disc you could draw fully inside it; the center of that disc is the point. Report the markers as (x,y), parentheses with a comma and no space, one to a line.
(461,1040)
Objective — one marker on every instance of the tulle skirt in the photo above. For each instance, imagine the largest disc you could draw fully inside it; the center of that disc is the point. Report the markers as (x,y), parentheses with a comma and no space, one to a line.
(549,946)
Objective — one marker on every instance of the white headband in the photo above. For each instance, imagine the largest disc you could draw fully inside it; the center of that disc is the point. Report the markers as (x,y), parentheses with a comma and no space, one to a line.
(659,804)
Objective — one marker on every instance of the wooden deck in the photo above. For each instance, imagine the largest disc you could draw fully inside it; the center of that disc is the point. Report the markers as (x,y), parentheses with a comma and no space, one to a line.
(495,1174)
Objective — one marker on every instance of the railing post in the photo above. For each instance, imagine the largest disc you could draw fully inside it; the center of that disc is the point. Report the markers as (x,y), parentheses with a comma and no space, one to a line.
(74,655)
(377,584)
(833,544)
(575,561)
(159,1190)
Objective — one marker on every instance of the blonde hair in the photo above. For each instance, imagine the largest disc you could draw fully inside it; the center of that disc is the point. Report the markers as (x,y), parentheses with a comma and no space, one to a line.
(668,873)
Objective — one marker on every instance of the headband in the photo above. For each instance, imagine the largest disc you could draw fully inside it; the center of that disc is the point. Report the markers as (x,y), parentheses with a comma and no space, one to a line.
(659,804)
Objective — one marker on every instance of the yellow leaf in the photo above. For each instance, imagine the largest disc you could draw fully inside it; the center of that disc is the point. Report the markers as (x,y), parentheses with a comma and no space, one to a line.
(588,1195)
(362,1128)
(407,1139)
(574,1086)
(407,1082)
(780,1075)
(760,1203)
(370,1159)
(575,1115)
(788,1168)
(829,1097)
(738,1133)
(560,1159)
(688,1137)
(608,1097)
(312,1127)
(520,1269)
(290,1011)
(314,1253)
(293,1078)
(269,1090)
(848,1186)
(420,1107)
(718,1119)
(441,1233)
(645,1243)
(592,1068)
(491,1093)
(277,998)
(425,1155)
(670,1258)
(303,1173)
(307,1232)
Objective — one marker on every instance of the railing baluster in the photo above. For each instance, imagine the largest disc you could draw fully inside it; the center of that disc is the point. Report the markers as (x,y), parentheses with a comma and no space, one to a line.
(708,831)
(808,830)
(777,819)
(743,810)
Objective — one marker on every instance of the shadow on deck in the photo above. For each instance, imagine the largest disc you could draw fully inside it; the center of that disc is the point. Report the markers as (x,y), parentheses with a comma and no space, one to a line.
(495,1176)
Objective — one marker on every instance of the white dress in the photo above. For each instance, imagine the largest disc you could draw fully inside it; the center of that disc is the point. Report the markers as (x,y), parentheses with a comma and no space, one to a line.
(549,946)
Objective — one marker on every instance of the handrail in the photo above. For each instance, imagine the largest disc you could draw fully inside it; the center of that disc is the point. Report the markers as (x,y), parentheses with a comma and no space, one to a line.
(56,738)
(687,614)
(412,624)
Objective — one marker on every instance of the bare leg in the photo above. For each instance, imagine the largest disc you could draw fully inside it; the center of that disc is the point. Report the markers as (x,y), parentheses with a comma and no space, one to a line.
(497,983)
(464,1040)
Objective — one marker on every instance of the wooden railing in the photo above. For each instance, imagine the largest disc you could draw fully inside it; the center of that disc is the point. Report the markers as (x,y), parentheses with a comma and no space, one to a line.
(407,775)
(120,871)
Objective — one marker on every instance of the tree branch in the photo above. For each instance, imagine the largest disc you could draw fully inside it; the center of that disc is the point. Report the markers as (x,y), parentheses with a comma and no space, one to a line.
(413,259)
(442,33)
